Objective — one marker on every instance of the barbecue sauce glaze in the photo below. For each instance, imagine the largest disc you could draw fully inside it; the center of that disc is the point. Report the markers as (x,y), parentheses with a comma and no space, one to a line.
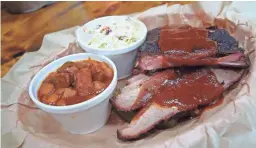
(185,39)
(186,45)
(200,87)
(152,86)
(177,33)
(181,47)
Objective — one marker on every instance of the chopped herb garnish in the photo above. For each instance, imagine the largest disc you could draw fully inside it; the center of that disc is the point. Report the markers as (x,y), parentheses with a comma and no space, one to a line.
(90,43)
(131,40)
(122,37)
(102,45)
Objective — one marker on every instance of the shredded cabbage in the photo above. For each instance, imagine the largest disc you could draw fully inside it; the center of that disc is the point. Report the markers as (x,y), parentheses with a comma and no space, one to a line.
(114,34)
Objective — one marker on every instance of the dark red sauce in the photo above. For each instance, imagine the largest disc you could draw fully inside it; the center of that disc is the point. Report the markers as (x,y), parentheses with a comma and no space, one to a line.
(189,91)
(184,33)
(186,39)
(174,27)
(153,85)
(186,44)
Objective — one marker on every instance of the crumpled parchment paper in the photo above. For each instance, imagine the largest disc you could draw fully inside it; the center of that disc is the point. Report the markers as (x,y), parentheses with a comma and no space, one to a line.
(230,125)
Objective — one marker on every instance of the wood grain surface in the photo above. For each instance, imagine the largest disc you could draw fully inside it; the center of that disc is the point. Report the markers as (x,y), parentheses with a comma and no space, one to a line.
(24,32)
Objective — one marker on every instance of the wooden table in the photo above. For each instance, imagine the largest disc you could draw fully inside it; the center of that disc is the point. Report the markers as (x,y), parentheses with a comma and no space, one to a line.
(24,32)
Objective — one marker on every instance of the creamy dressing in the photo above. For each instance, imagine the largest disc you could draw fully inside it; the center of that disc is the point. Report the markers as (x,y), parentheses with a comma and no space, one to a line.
(114,33)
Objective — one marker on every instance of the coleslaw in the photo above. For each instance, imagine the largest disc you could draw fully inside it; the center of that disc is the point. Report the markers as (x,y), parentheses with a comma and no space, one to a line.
(113,33)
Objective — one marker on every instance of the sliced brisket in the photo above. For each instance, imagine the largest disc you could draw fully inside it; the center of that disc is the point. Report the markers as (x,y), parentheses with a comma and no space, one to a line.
(140,89)
(172,47)
(193,89)
(165,97)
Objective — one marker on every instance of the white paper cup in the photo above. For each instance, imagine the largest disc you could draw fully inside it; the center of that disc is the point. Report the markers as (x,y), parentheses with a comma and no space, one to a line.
(82,118)
(123,57)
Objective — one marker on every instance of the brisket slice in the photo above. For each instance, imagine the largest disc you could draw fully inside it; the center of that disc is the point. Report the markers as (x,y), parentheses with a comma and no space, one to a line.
(182,49)
(225,42)
(154,113)
(139,89)
(179,59)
